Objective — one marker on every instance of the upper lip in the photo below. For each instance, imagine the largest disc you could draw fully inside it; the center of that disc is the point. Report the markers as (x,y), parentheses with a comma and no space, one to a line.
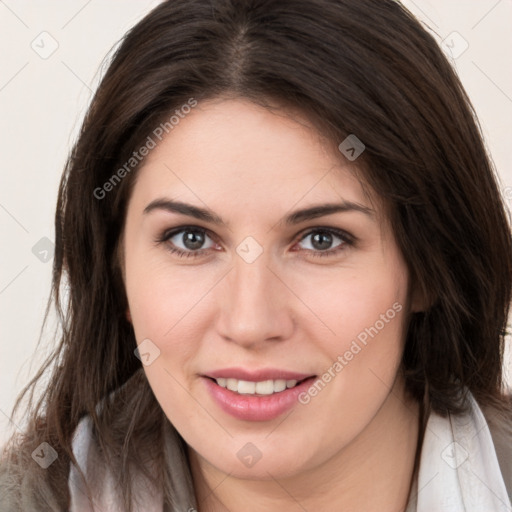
(257,375)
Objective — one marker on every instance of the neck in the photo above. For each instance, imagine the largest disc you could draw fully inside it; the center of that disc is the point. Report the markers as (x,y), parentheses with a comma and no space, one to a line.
(372,473)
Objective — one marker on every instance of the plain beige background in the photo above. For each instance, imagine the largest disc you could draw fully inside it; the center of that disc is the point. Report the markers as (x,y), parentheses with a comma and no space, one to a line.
(51,53)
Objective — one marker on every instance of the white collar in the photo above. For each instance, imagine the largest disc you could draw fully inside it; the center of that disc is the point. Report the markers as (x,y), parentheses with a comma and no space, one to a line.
(459,469)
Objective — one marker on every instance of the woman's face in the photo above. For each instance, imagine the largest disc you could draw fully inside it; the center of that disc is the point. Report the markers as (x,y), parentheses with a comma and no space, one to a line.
(236,268)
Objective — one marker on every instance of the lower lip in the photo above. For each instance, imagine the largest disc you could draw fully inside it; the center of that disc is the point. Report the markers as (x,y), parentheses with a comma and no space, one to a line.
(256,408)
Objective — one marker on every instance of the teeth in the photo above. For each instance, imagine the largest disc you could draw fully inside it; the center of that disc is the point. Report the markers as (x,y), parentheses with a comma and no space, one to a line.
(232,384)
(265,387)
(246,388)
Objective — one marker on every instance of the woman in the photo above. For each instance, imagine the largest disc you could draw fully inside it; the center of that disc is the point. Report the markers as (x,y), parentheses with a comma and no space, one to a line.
(288,275)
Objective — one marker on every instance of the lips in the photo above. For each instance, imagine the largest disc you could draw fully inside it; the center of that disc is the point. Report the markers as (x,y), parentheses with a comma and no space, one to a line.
(255,407)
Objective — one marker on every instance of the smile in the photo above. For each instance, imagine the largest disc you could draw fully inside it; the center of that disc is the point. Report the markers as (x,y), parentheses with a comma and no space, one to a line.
(256,400)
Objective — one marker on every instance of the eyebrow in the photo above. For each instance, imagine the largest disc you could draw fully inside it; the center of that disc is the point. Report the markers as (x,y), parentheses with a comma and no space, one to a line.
(296,217)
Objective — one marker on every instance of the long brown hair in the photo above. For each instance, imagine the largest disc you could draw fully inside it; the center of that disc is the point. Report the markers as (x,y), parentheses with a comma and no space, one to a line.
(364,67)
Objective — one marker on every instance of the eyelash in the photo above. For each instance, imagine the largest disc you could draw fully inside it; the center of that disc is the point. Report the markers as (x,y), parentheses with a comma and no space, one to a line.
(346,238)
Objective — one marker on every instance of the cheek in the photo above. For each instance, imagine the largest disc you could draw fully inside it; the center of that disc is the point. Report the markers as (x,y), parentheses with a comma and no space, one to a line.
(162,297)
(162,304)
(169,306)
(365,312)
(357,302)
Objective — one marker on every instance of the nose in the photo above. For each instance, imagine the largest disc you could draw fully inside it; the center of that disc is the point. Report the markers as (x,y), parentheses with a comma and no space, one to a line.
(254,305)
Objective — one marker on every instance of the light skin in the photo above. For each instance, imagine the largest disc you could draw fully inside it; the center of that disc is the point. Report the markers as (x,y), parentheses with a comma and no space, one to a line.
(298,306)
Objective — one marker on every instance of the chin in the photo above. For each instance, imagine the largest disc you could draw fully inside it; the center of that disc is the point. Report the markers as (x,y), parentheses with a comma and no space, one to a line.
(254,459)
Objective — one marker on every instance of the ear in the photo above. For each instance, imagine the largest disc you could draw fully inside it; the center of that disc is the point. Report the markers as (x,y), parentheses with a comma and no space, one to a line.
(128,315)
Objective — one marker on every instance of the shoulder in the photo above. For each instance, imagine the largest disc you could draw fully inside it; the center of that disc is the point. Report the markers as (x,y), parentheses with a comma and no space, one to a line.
(10,499)
(100,481)
(500,427)
(23,487)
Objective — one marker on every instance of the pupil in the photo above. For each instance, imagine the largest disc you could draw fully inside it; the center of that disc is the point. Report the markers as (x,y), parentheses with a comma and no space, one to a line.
(193,239)
(322,240)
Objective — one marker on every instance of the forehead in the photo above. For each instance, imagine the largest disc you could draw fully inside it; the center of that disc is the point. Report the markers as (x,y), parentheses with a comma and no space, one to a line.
(236,154)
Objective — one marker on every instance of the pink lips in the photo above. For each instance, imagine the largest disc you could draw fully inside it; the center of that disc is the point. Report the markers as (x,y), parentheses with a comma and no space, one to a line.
(252,407)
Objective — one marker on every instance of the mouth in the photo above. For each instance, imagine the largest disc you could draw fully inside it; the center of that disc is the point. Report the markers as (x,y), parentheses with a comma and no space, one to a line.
(256,396)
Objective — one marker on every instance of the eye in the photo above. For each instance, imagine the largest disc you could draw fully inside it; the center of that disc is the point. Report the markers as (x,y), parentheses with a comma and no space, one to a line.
(325,241)
(193,241)
(187,241)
